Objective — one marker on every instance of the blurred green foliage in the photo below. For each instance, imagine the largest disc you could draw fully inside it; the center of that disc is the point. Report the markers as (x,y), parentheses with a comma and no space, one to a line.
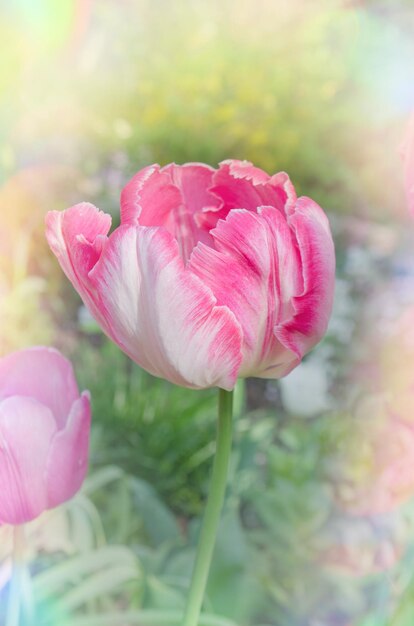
(298,91)
(163,433)
(279,496)
(315,88)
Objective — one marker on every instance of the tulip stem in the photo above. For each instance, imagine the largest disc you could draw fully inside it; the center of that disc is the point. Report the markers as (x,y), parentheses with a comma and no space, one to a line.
(20,598)
(213,510)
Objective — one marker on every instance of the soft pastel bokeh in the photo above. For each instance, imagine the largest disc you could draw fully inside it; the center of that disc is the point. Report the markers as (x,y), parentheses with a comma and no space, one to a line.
(318,527)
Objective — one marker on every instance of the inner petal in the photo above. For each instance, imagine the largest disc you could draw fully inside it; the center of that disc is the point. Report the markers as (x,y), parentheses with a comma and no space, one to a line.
(193,181)
(171,197)
(240,185)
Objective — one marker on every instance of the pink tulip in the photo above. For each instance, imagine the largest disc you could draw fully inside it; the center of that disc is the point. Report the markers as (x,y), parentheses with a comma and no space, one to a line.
(212,274)
(44,433)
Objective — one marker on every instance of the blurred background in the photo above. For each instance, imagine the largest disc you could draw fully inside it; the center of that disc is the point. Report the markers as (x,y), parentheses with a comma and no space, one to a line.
(318,528)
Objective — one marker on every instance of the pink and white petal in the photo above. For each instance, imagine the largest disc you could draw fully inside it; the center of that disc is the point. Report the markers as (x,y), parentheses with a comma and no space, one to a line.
(240,185)
(78,236)
(26,430)
(40,373)
(161,315)
(286,362)
(150,199)
(253,270)
(65,229)
(283,187)
(244,170)
(207,219)
(193,180)
(313,305)
(67,462)
(168,197)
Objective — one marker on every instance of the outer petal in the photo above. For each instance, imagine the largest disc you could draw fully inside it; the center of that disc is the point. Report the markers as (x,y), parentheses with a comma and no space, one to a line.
(313,306)
(67,462)
(77,237)
(254,270)
(43,374)
(162,315)
(26,429)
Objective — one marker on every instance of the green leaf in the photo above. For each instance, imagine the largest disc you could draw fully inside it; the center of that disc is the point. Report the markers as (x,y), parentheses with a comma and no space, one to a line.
(159,523)
(72,572)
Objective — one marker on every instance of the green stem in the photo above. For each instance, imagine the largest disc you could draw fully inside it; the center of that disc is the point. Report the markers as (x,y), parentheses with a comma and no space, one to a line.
(213,510)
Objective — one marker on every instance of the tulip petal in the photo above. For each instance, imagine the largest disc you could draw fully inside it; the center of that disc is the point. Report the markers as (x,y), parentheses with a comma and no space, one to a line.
(150,199)
(65,230)
(41,373)
(254,271)
(77,237)
(170,197)
(313,305)
(26,429)
(193,180)
(240,185)
(67,463)
(161,315)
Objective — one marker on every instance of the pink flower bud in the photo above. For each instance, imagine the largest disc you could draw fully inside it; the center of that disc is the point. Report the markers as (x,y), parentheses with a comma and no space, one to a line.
(44,433)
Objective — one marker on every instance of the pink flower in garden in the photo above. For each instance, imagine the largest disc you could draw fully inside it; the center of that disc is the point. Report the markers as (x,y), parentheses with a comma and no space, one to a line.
(378,470)
(408,157)
(212,274)
(44,433)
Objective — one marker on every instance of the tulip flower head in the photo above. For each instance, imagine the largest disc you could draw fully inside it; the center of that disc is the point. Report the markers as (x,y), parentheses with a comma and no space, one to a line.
(44,433)
(213,273)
